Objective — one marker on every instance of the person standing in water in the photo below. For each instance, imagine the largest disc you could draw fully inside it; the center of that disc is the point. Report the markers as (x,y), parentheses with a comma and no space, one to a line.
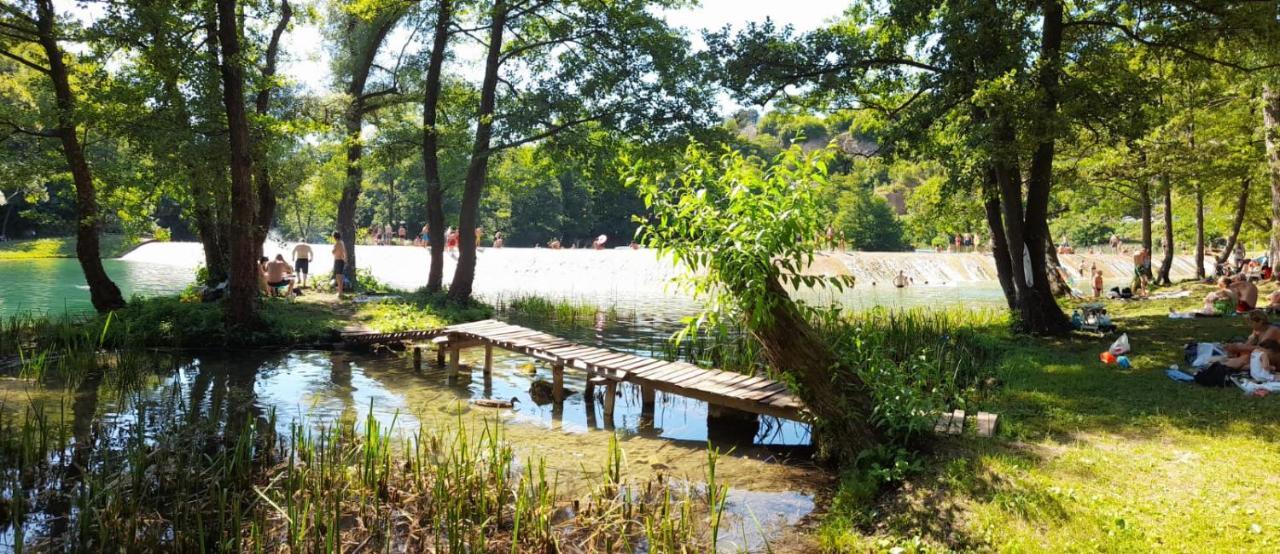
(339,262)
(302,256)
(901,280)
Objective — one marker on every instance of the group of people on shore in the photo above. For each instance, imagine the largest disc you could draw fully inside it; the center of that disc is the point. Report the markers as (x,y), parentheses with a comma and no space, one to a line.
(385,236)
(278,277)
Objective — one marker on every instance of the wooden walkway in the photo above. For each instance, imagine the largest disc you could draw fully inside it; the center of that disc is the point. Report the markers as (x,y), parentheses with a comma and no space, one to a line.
(604,367)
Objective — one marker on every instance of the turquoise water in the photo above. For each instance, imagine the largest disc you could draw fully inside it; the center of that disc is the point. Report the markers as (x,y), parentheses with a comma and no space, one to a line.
(55,285)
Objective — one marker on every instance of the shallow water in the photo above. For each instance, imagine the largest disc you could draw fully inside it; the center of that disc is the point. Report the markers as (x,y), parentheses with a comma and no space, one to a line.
(771,485)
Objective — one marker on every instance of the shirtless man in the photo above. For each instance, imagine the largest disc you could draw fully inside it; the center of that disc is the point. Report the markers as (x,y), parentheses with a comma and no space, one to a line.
(278,272)
(339,261)
(1261,331)
(1141,269)
(302,257)
(1246,294)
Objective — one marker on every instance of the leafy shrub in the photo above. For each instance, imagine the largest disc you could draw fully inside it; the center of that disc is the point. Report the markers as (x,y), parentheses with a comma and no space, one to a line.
(917,363)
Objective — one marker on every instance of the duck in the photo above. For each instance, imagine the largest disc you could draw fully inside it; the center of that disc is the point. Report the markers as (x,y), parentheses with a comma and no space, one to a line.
(495,403)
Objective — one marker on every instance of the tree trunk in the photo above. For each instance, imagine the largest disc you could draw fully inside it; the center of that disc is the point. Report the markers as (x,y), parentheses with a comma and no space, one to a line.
(477,172)
(353,121)
(240,307)
(208,196)
(1242,205)
(1200,273)
(351,190)
(1058,284)
(999,245)
(103,292)
(1271,131)
(1144,206)
(843,413)
(8,212)
(1025,227)
(1166,263)
(262,104)
(431,147)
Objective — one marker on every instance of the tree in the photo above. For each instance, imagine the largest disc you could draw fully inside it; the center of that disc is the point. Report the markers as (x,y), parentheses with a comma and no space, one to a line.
(986,88)
(564,64)
(867,222)
(240,309)
(431,144)
(359,29)
(21,29)
(718,217)
(262,104)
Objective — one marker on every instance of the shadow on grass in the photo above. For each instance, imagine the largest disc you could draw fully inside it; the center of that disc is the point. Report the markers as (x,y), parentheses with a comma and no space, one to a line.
(1059,388)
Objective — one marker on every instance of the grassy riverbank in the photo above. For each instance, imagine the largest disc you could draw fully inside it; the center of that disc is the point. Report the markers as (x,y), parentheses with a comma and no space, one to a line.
(113,246)
(314,319)
(1091,457)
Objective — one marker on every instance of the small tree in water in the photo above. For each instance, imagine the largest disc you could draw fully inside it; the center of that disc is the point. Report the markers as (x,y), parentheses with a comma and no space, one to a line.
(745,230)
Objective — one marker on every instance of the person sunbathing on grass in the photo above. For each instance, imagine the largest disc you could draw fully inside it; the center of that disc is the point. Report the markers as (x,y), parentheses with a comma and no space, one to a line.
(1223,294)
(1246,294)
(1262,330)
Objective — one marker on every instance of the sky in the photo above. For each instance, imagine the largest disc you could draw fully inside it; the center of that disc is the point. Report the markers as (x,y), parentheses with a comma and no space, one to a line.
(308,64)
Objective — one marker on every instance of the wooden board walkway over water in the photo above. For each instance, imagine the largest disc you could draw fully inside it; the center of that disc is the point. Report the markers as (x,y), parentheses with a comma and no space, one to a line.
(604,367)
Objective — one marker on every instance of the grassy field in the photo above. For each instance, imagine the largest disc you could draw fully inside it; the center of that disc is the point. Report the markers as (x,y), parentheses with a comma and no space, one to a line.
(1090,457)
(113,246)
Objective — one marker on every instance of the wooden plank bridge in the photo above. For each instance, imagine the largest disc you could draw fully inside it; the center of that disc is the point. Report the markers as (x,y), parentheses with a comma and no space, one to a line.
(604,368)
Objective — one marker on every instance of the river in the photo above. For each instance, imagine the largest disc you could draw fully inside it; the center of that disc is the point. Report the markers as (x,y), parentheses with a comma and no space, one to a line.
(630,279)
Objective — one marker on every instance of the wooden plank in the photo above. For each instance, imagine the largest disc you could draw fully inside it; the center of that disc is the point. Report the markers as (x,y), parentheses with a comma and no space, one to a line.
(784,412)
(957,423)
(649,367)
(670,370)
(763,393)
(987,424)
(610,361)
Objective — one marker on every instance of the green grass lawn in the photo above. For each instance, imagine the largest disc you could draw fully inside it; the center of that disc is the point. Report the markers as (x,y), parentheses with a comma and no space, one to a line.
(1090,457)
(113,246)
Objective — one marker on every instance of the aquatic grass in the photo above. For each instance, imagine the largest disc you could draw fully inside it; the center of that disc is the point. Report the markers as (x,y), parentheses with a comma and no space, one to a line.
(561,313)
(166,478)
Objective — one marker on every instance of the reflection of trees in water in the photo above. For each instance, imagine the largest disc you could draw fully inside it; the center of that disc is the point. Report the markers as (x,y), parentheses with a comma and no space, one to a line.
(344,390)
(84,408)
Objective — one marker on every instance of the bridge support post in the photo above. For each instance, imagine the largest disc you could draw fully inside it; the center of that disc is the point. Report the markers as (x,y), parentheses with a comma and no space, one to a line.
(647,400)
(589,398)
(417,359)
(488,359)
(730,425)
(557,383)
(454,354)
(440,348)
(610,398)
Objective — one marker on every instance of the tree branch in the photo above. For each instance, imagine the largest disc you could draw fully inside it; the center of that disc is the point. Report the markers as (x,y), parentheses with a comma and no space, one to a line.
(1133,35)
(24,61)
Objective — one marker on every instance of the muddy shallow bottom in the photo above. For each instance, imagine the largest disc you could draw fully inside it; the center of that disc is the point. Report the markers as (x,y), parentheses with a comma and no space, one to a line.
(772,486)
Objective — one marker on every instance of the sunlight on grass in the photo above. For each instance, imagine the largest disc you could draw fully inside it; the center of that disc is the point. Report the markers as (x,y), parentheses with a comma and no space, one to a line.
(1094,458)
(113,246)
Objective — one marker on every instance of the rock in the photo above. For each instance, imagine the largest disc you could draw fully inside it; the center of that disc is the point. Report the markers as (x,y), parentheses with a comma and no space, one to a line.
(542,392)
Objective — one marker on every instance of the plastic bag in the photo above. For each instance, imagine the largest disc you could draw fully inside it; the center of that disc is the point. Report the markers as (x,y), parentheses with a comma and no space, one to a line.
(1206,353)
(1121,345)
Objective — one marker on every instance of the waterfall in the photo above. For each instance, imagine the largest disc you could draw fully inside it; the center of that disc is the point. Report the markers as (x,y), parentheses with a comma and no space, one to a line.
(626,274)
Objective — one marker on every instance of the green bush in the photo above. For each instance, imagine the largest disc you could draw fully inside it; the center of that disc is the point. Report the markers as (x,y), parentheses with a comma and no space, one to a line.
(918,363)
